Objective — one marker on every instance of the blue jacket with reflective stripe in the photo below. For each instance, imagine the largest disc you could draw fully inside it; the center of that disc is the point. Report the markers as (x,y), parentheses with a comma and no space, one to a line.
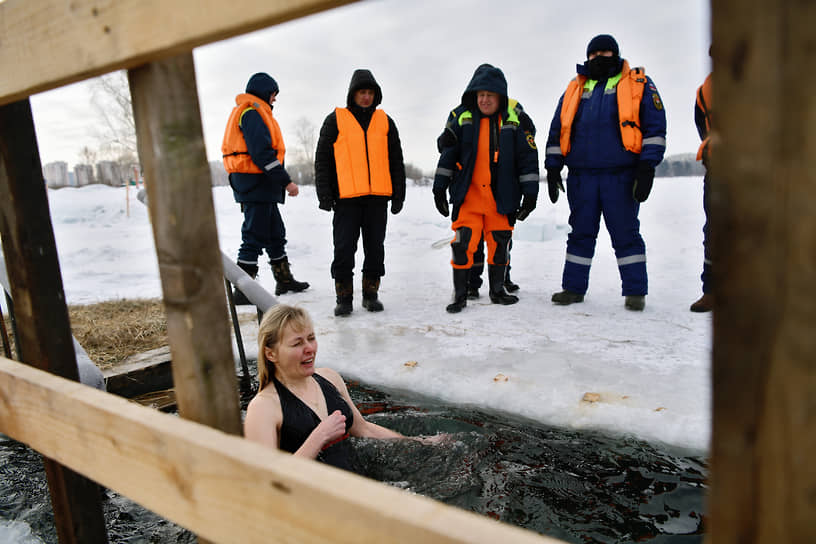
(596,138)
(515,172)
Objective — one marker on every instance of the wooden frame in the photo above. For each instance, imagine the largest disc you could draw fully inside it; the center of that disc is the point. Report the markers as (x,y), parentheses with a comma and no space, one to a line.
(51,43)
(223,487)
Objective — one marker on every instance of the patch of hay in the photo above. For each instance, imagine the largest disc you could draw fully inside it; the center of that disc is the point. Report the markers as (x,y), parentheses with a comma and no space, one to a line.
(112,331)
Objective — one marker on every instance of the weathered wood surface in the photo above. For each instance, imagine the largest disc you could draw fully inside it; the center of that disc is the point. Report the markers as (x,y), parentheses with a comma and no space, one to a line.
(177,179)
(44,332)
(140,374)
(50,43)
(764,356)
(223,487)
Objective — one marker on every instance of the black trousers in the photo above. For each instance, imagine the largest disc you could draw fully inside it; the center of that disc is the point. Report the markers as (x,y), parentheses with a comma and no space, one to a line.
(366,215)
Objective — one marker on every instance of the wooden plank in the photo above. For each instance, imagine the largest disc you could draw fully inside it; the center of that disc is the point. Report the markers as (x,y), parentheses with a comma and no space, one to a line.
(171,151)
(50,43)
(44,333)
(764,234)
(220,486)
(140,374)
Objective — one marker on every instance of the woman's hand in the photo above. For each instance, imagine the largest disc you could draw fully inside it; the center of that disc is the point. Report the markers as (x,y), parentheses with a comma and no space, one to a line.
(434,440)
(332,428)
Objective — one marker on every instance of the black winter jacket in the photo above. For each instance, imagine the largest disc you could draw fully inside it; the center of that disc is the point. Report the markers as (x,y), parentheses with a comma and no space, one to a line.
(325,167)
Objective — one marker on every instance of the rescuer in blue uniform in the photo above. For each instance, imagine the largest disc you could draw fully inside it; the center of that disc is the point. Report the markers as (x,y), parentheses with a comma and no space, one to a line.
(610,130)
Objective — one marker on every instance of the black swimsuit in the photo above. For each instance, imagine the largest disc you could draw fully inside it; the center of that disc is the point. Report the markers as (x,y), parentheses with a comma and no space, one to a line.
(299,420)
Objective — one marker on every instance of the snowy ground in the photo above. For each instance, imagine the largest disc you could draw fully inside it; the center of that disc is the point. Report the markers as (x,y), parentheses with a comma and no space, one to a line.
(651,369)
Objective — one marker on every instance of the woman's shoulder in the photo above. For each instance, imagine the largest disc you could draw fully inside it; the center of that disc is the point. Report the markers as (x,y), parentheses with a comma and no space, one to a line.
(329,374)
(266,399)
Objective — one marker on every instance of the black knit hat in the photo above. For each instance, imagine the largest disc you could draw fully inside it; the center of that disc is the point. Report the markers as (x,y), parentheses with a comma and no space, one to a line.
(603,42)
(262,85)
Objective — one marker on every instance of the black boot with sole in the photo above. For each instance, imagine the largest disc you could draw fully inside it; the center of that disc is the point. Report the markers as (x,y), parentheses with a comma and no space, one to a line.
(496,273)
(284,281)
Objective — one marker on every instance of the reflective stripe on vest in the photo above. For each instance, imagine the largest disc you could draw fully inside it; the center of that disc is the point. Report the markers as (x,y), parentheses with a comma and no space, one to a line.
(630,93)
(512,115)
(234,149)
(704,103)
(362,158)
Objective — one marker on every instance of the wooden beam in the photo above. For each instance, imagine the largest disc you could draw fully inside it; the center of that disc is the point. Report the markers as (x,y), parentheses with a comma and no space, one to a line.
(44,331)
(763,482)
(222,487)
(177,179)
(50,43)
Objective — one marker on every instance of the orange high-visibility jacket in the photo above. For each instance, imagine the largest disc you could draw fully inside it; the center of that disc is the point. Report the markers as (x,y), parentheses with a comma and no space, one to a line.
(362,157)
(704,103)
(629,94)
(234,148)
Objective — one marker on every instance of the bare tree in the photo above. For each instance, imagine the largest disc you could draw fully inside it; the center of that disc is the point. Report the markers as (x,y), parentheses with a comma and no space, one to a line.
(111,99)
(301,163)
(87,155)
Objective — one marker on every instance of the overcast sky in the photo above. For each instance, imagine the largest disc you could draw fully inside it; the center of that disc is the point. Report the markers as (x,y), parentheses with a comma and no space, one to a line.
(423,54)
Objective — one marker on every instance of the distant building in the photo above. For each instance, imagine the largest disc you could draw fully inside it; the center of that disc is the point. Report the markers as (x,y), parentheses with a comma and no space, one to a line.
(84,174)
(110,173)
(56,174)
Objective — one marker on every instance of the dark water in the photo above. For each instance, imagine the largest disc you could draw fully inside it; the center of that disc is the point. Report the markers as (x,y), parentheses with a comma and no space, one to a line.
(576,486)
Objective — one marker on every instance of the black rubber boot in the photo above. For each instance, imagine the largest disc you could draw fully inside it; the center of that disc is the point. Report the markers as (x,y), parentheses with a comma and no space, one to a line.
(370,288)
(567,297)
(636,303)
(284,281)
(495,274)
(509,286)
(345,294)
(460,290)
(239,298)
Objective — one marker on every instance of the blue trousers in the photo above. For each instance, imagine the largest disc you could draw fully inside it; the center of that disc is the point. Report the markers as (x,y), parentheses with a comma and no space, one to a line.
(706,275)
(262,230)
(608,193)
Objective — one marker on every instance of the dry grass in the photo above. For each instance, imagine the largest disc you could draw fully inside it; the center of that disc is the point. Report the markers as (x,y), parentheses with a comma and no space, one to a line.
(111,331)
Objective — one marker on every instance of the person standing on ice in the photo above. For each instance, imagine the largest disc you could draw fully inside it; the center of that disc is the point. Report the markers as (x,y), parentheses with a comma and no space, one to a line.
(358,169)
(488,161)
(253,153)
(702,118)
(610,130)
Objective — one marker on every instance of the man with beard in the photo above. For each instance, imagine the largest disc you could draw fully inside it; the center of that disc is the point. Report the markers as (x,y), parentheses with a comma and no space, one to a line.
(610,130)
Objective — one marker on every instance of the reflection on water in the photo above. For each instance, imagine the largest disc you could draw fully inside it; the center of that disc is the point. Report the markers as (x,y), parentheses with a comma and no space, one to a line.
(576,486)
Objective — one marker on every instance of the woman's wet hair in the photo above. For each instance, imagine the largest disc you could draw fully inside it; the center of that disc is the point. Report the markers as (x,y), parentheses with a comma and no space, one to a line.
(270,332)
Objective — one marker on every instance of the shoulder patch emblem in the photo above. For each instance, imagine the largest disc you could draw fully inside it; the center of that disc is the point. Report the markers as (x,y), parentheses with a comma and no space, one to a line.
(531,140)
(657,103)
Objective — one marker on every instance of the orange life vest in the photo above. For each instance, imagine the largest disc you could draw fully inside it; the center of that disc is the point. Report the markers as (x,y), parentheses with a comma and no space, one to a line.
(362,157)
(629,94)
(704,103)
(234,148)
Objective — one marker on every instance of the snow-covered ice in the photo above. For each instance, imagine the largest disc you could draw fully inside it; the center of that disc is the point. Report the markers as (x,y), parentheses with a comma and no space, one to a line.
(651,369)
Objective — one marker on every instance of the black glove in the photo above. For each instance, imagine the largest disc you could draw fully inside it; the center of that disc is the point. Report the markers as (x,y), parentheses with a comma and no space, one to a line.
(528,204)
(327,205)
(441,201)
(396,206)
(644,177)
(446,139)
(554,183)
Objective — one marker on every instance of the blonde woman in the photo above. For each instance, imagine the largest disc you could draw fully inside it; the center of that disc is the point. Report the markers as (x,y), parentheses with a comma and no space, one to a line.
(299,408)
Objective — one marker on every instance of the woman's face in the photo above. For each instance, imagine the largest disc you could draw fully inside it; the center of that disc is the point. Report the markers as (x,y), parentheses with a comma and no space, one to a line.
(294,355)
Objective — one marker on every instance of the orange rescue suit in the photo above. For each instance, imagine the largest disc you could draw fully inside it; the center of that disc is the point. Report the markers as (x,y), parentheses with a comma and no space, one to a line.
(704,103)
(362,157)
(234,148)
(478,211)
(629,94)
